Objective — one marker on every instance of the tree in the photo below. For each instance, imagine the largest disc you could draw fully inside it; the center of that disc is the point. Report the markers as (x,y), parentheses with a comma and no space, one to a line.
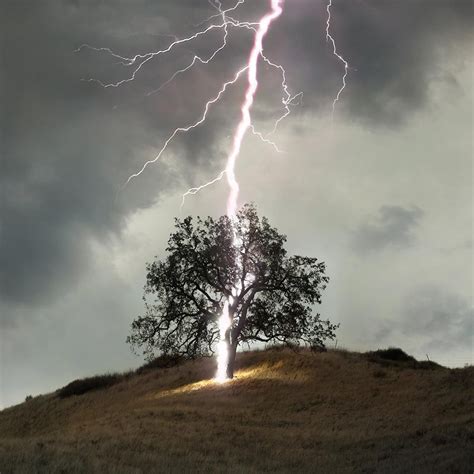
(241,264)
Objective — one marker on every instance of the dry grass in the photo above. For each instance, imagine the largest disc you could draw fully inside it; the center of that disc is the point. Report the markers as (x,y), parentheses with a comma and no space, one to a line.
(285,412)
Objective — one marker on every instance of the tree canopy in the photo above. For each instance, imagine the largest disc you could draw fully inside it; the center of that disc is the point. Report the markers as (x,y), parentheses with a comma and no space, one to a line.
(243,261)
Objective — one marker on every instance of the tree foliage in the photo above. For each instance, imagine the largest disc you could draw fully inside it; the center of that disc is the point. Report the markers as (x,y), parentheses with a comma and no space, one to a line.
(204,266)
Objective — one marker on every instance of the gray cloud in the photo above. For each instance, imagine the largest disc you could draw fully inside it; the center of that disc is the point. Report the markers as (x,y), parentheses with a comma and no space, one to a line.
(460,247)
(443,315)
(393,227)
(67,145)
(395,50)
(439,319)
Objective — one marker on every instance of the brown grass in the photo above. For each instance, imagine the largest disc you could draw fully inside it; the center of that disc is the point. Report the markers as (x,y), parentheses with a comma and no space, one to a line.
(286,411)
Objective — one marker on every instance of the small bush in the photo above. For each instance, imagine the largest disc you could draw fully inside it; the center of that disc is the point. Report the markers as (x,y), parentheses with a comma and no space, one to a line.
(276,347)
(317,348)
(81,386)
(428,364)
(28,398)
(161,362)
(394,356)
(283,346)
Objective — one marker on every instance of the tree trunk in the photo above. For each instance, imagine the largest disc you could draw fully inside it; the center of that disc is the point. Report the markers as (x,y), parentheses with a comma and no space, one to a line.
(234,334)
(232,349)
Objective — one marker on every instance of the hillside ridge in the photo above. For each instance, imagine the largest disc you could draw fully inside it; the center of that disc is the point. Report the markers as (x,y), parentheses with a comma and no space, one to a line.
(286,411)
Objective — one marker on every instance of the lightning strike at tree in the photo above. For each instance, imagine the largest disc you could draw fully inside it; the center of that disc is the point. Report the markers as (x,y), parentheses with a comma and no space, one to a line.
(245,123)
(225,24)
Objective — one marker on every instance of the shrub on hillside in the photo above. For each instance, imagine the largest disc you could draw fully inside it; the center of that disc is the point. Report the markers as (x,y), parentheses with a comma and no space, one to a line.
(428,364)
(81,386)
(162,362)
(394,356)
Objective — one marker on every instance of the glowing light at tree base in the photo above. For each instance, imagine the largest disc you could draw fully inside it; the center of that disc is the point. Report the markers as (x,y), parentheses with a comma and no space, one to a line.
(222,347)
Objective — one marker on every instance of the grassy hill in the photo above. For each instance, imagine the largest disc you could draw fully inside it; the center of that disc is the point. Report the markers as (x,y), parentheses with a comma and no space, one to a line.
(286,411)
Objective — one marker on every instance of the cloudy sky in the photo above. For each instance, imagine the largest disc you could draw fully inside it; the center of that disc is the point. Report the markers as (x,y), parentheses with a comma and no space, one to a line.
(382,191)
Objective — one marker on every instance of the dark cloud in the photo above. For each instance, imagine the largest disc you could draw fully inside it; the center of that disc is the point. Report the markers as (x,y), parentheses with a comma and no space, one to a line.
(67,145)
(393,227)
(439,319)
(445,317)
(66,150)
(395,50)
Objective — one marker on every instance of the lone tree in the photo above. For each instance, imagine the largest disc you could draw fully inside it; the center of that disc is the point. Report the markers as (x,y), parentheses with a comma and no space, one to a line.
(270,295)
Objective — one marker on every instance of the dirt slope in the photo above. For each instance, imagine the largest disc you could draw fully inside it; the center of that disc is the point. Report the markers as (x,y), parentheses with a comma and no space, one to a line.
(285,412)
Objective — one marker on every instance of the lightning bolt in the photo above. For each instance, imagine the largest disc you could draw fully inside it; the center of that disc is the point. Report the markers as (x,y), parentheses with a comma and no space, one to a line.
(287,100)
(244,125)
(246,121)
(200,121)
(338,56)
(259,29)
(139,60)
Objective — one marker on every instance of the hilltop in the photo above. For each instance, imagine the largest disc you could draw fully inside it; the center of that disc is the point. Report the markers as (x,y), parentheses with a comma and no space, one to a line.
(285,411)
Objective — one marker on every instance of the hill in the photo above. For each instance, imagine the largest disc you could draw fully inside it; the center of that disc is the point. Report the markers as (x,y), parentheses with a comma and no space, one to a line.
(286,411)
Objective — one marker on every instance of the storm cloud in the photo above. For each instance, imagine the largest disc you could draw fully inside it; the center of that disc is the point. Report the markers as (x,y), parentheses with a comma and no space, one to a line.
(438,319)
(394,226)
(69,145)
(447,317)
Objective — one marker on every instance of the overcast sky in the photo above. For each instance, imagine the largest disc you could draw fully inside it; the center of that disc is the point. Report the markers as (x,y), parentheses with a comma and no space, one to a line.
(382,191)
